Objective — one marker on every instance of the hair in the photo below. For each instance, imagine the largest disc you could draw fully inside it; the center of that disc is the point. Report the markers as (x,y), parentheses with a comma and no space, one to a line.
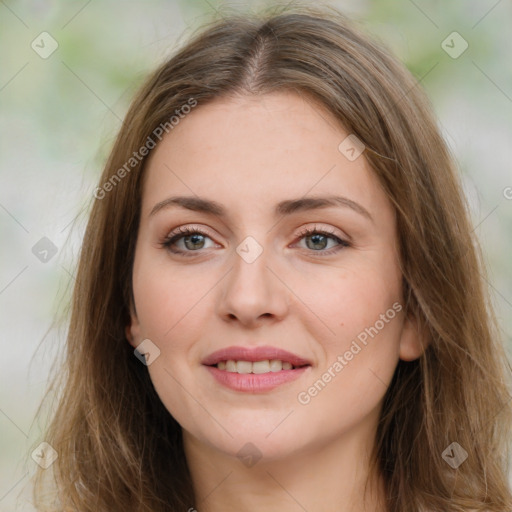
(113,435)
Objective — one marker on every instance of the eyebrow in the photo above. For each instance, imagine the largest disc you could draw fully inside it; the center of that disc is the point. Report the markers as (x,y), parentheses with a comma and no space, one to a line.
(283,208)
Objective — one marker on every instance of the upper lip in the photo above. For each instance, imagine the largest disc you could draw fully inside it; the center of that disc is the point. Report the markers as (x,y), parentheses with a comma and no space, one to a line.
(253,354)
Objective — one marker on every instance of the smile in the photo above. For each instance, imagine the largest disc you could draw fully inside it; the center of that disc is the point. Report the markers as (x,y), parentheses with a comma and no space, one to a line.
(255,369)
(265,366)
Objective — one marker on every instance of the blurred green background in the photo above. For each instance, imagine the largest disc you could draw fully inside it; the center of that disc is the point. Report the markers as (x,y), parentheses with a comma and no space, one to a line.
(60,111)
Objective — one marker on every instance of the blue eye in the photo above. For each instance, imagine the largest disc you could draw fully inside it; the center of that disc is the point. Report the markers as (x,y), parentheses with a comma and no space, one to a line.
(194,240)
(319,237)
(192,237)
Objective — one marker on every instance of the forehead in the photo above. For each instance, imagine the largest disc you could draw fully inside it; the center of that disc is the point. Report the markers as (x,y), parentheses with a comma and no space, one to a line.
(256,151)
(257,126)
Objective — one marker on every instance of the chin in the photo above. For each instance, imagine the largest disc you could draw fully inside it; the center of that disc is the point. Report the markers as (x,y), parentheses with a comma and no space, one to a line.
(254,437)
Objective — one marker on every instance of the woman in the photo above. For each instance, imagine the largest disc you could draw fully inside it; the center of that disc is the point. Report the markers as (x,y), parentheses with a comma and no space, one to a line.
(279,302)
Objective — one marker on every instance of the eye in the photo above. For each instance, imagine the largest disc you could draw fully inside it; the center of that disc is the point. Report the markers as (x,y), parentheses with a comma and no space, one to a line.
(192,237)
(317,240)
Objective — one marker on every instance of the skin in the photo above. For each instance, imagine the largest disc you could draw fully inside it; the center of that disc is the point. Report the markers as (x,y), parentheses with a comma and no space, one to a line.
(249,153)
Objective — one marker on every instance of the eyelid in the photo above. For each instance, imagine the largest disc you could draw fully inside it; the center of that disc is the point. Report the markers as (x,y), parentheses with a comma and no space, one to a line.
(303,231)
(187,228)
(325,229)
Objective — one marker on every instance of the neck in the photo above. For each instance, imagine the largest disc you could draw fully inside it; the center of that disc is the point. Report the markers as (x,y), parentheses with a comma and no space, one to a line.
(323,477)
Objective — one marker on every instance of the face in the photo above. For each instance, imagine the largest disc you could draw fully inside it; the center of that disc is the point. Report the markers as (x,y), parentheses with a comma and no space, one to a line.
(250,266)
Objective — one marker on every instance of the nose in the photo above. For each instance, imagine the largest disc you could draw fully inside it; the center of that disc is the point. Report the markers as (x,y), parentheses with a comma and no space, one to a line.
(253,292)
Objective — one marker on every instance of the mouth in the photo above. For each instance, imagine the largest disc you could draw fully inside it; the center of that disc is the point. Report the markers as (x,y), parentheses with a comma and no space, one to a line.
(256,369)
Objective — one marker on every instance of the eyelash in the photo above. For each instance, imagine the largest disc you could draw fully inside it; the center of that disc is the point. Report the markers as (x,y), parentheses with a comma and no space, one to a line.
(187,231)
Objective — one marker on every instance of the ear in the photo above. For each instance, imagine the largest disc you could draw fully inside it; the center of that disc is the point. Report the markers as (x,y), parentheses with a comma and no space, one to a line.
(413,343)
(132,330)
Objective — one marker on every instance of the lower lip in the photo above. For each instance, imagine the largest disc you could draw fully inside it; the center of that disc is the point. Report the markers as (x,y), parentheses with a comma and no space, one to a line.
(255,382)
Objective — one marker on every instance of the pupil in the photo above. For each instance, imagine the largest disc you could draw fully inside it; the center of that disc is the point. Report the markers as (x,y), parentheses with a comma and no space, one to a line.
(314,239)
(194,240)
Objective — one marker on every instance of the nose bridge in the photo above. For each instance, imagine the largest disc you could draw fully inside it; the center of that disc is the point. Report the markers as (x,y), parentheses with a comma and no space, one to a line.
(250,270)
(251,289)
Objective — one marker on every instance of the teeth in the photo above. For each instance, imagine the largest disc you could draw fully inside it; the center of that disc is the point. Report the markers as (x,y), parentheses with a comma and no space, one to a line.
(231,366)
(261,366)
(244,367)
(276,365)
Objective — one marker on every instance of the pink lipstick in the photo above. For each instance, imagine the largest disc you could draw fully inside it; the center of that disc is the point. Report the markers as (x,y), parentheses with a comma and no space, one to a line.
(255,370)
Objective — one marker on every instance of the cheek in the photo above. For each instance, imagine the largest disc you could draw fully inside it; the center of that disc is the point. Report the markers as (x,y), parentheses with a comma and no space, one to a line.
(169,300)
(171,309)
(359,364)
(358,321)
(345,302)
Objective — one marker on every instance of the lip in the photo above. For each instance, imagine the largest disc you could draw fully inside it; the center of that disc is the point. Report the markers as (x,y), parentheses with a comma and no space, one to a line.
(254,354)
(255,382)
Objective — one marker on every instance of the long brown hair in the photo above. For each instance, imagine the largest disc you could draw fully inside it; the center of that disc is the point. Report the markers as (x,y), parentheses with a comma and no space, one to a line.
(114,437)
